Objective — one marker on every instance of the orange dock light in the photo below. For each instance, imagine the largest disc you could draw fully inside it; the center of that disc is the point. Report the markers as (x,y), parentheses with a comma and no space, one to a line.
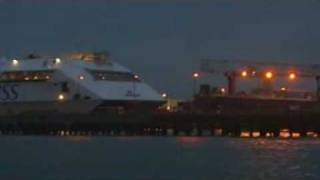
(311,134)
(295,135)
(269,75)
(292,76)
(256,134)
(284,133)
(283,89)
(244,134)
(244,73)
(61,97)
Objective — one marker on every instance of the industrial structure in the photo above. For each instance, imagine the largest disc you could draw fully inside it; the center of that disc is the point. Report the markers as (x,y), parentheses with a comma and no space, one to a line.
(265,72)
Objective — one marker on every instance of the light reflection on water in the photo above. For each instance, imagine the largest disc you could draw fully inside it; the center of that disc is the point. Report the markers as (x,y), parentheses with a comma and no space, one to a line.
(190,140)
(87,157)
(278,158)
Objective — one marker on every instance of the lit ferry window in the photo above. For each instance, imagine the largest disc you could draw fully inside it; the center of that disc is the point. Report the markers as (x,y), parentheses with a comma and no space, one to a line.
(114,76)
(14,76)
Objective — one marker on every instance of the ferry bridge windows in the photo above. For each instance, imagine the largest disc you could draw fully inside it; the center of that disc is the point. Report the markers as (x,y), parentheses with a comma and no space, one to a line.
(87,97)
(15,76)
(78,96)
(114,76)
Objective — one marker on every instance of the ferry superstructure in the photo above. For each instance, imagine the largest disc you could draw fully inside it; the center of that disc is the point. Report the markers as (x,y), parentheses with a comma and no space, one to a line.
(76,82)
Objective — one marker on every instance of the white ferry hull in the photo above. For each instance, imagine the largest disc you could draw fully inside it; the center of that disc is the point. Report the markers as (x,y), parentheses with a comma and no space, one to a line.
(54,107)
(70,86)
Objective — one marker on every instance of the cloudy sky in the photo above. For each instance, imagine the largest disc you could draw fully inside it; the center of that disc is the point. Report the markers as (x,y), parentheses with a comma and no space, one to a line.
(163,40)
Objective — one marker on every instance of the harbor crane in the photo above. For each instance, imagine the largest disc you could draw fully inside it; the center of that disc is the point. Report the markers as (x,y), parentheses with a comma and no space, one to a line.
(266,71)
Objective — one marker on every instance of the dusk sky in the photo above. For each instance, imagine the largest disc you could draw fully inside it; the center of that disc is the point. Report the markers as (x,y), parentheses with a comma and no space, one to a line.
(164,40)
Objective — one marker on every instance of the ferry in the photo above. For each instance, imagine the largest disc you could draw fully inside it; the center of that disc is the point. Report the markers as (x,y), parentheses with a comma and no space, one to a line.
(79,82)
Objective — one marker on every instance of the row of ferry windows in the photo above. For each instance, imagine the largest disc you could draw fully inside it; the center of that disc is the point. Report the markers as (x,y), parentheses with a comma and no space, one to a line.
(46,75)
(25,76)
(114,76)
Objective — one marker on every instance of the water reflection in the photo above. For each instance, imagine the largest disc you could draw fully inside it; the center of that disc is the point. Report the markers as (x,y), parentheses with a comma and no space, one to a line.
(276,158)
(191,140)
(186,157)
(78,138)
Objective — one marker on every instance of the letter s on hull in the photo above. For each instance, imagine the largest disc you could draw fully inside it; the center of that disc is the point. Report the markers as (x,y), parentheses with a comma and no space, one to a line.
(8,92)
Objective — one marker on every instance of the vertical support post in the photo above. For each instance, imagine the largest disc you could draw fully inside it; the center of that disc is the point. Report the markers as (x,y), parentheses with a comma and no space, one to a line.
(195,77)
(318,87)
(267,87)
(231,77)
(195,86)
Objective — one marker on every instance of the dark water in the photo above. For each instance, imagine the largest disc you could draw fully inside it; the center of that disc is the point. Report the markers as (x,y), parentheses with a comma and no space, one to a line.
(158,158)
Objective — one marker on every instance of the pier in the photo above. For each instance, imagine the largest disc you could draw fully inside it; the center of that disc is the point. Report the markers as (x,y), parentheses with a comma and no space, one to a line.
(264,111)
(294,124)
